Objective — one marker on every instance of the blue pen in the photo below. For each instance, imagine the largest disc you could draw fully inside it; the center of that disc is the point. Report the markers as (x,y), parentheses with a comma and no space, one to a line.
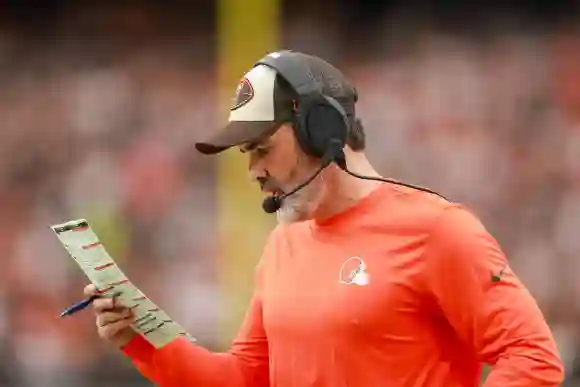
(83,304)
(79,306)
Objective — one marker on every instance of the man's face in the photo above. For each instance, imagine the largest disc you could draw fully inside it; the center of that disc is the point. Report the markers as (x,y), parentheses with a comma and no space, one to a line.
(278,164)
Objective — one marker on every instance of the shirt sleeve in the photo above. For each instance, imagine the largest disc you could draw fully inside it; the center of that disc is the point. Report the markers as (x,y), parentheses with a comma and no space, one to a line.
(487,305)
(182,363)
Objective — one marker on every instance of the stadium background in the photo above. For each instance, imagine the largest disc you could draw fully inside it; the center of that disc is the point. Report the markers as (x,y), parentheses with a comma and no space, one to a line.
(100,105)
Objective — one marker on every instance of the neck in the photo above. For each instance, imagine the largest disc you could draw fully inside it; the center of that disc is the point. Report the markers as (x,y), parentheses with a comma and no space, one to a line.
(344,190)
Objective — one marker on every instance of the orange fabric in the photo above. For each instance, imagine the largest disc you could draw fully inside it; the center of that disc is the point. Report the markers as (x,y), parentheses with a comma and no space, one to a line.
(440,301)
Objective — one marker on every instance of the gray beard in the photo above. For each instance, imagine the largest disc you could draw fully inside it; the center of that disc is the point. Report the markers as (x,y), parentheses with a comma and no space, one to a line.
(301,205)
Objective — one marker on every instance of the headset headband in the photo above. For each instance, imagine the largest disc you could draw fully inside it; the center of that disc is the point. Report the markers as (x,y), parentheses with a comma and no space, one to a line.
(291,68)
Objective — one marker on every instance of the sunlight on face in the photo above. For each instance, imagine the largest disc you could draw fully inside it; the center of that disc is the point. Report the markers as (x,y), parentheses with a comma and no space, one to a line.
(279,165)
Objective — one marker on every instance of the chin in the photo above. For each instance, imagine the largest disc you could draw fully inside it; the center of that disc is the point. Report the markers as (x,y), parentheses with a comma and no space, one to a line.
(301,206)
(292,212)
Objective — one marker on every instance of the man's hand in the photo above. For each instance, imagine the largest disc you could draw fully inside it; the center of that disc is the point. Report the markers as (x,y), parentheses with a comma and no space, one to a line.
(113,321)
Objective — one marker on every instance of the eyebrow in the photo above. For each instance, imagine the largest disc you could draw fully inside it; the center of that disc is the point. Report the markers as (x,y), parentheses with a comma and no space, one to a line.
(253,145)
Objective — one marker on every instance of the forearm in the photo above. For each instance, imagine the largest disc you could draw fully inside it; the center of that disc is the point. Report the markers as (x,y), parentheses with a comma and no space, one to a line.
(182,363)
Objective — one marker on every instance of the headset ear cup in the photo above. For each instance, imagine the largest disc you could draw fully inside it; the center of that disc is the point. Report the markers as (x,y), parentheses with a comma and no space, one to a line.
(319,120)
(339,124)
(301,130)
(325,123)
(344,126)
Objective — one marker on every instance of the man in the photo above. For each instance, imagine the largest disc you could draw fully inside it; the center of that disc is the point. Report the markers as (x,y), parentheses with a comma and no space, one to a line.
(362,283)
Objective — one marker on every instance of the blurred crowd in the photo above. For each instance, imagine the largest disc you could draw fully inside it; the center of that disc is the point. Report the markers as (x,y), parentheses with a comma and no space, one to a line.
(106,132)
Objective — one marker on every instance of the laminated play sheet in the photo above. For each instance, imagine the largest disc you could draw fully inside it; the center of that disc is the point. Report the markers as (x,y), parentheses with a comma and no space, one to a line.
(83,245)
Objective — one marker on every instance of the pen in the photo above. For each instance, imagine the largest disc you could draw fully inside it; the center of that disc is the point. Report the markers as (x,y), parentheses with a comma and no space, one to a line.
(79,306)
(83,304)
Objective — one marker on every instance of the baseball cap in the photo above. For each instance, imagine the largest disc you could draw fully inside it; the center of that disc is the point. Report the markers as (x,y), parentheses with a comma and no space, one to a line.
(264,101)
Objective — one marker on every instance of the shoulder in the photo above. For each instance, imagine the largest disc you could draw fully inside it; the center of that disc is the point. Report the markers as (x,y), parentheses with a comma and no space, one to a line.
(273,240)
(279,233)
(284,231)
(277,243)
(457,224)
(440,221)
(280,236)
(414,209)
(271,249)
(459,244)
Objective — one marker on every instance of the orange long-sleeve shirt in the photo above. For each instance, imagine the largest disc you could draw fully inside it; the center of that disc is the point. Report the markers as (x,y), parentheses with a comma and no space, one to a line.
(433,299)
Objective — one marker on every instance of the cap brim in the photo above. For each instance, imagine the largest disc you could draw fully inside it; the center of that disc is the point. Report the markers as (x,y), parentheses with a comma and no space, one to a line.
(235,133)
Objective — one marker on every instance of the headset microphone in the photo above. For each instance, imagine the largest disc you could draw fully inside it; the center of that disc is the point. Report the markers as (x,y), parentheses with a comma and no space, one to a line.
(334,153)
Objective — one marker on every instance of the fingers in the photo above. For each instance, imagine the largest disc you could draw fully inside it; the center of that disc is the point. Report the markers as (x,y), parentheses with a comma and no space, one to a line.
(89,290)
(110,317)
(113,320)
(104,304)
(112,330)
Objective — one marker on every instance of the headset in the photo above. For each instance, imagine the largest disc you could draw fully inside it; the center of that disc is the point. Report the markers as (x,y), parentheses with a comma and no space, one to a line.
(321,125)
(319,119)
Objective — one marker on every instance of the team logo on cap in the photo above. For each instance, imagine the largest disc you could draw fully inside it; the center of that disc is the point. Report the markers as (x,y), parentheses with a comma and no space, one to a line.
(244,94)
